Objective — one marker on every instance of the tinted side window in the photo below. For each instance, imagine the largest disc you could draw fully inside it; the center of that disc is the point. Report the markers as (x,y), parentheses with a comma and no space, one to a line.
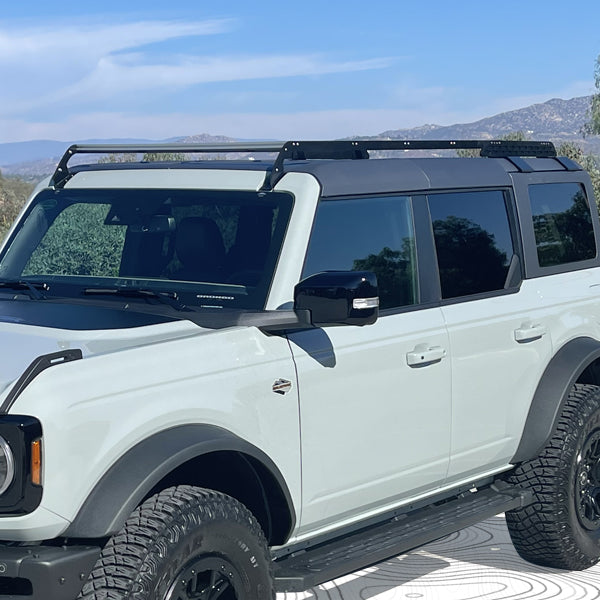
(473,241)
(562,223)
(367,234)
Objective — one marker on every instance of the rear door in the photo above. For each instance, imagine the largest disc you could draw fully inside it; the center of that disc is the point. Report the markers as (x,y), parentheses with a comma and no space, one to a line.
(498,326)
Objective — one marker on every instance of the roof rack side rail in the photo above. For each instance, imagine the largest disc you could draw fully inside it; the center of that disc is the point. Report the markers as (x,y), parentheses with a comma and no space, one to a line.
(359,149)
(62,173)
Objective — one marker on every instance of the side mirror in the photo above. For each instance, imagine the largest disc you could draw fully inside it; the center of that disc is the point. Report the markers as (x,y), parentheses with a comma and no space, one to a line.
(339,298)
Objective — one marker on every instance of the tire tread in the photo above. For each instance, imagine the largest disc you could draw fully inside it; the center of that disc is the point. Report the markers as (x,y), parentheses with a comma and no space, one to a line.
(542,532)
(118,573)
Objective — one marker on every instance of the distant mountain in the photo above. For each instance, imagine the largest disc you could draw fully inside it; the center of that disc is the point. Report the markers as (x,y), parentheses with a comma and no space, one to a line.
(555,120)
(205,138)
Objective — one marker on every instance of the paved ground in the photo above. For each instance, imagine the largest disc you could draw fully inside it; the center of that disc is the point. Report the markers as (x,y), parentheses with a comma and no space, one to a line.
(478,562)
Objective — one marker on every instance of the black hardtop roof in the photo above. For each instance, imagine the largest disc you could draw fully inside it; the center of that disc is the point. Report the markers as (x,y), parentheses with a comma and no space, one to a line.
(380,176)
(340,166)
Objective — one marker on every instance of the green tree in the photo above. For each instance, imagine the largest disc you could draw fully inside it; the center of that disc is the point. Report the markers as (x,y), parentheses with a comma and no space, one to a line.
(593,125)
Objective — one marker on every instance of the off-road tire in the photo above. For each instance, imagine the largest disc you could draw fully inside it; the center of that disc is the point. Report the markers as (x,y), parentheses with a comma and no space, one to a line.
(561,528)
(185,543)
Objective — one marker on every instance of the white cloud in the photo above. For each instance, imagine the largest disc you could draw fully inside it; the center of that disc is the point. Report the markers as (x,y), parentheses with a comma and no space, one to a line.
(36,64)
(122,74)
(62,44)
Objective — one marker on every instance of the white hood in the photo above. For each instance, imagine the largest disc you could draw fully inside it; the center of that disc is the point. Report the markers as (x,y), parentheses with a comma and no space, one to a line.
(20,343)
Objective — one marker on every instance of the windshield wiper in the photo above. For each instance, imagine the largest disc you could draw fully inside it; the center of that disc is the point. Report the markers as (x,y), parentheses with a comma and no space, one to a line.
(21,284)
(169,298)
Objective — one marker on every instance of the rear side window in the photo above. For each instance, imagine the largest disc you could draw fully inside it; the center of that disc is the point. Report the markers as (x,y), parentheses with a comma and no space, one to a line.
(473,241)
(562,223)
(367,234)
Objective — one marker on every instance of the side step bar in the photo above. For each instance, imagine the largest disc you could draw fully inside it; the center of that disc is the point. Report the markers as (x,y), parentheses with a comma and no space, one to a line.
(311,567)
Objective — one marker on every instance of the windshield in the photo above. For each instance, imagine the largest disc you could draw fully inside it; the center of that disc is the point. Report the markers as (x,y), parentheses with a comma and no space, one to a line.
(205,248)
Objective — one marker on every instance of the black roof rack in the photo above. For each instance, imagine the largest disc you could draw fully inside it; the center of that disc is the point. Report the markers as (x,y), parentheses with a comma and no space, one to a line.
(359,149)
(299,150)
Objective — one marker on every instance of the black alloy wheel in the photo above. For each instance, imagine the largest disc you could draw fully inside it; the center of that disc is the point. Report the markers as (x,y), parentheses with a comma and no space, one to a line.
(206,578)
(587,480)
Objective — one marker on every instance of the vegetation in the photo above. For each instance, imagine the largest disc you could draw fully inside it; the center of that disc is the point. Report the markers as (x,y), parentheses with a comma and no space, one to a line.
(593,125)
(13,193)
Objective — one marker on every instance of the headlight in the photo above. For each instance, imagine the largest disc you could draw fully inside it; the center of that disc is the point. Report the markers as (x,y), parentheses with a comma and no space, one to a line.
(21,446)
(7,466)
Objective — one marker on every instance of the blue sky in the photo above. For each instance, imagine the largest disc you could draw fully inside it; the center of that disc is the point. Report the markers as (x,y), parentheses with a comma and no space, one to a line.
(266,69)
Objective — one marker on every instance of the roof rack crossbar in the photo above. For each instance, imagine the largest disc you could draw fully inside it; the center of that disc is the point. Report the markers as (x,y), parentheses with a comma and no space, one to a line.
(299,150)
(62,174)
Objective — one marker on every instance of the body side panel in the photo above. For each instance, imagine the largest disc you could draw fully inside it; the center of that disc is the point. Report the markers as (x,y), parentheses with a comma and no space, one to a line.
(95,413)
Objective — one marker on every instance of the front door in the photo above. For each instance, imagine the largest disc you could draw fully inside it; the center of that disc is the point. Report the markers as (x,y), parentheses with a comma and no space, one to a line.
(374,400)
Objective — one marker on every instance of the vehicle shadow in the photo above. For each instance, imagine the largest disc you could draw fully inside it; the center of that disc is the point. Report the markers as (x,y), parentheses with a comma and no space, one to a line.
(373,581)
(316,343)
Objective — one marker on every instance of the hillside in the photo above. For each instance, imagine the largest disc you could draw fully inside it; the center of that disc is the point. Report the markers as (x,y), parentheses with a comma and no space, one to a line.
(556,120)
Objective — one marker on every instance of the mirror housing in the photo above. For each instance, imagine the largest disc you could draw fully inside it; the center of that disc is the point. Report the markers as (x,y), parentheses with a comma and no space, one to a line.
(339,298)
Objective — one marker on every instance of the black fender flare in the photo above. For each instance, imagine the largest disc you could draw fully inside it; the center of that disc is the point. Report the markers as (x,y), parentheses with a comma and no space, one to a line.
(131,478)
(550,396)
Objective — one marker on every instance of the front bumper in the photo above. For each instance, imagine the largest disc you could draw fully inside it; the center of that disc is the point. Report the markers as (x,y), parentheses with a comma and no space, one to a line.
(45,572)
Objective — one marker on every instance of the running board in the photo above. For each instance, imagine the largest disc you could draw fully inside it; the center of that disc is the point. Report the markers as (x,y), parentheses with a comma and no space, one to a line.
(305,569)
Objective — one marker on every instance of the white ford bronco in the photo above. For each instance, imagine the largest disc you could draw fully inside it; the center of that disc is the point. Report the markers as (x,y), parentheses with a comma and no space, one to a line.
(229,378)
